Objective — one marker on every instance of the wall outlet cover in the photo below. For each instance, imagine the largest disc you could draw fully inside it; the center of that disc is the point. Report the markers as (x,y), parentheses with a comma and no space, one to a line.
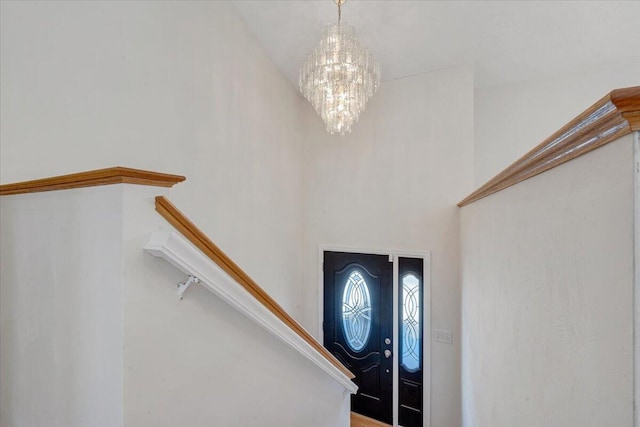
(443,336)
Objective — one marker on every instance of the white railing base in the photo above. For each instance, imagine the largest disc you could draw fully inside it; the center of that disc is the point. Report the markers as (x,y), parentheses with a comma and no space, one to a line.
(187,258)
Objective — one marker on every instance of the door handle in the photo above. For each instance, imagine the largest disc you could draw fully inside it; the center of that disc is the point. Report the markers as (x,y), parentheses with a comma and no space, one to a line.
(387,353)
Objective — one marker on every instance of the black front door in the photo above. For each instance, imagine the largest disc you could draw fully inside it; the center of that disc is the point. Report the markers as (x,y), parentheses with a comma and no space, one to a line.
(358,326)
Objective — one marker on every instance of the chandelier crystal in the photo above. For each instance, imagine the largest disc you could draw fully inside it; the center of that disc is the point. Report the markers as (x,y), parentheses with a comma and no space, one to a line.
(339,77)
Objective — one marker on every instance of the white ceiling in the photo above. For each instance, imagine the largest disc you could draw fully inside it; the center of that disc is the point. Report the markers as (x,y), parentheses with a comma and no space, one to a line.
(506,40)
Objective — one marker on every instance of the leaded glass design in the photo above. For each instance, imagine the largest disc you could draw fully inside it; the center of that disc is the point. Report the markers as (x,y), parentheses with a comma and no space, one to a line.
(356,311)
(411,339)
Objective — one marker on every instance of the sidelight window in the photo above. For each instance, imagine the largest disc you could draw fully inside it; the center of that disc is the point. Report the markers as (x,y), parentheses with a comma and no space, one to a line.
(411,339)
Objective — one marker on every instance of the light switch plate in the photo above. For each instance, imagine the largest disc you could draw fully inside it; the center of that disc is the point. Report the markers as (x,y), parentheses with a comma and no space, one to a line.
(440,335)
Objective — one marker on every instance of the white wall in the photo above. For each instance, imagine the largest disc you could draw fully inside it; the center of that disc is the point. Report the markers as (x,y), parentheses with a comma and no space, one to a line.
(61,299)
(547,273)
(184,88)
(178,87)
(93,333)
(198,362)
(512,119)
(394,184)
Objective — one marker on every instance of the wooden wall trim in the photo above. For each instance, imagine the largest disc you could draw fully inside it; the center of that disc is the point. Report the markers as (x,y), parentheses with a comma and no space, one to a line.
(188,229)
(115,175)
(615,115)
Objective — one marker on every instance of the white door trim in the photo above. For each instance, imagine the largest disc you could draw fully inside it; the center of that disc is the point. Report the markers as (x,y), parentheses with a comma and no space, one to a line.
(426,339)
(636,279)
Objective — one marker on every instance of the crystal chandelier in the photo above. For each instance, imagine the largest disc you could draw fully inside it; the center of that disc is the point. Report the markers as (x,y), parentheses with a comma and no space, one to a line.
(339,77)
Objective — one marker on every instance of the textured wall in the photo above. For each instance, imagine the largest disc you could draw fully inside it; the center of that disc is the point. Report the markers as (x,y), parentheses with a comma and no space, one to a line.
(178,87)
(547,273)
(61,296)
(92,333)
(512,119)
(198,362)
(394,184)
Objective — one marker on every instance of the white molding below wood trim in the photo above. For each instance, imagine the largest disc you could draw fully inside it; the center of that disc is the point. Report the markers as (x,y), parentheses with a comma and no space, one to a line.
(187,258)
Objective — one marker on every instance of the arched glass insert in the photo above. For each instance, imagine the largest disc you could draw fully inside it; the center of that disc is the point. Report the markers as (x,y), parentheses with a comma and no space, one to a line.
(356,311)
(411,339)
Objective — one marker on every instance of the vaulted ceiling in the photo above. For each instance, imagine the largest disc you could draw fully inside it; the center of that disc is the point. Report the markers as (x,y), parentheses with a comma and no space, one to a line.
(506,40)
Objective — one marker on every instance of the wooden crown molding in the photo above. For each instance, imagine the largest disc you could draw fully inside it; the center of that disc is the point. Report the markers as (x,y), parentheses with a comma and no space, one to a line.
(115,175)
(615,115)
(200,240)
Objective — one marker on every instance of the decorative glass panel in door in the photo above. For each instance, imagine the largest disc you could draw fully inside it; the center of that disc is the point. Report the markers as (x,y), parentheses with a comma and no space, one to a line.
(356,311)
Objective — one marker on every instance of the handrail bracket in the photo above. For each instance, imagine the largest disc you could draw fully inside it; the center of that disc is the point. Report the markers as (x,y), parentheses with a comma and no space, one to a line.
(183,286)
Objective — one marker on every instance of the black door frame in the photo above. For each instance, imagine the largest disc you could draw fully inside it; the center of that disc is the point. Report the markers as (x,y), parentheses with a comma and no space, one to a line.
(426,339)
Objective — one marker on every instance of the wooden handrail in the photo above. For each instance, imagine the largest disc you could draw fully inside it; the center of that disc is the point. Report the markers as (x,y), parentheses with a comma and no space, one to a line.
(115,175)
(615,115)
(188,229)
